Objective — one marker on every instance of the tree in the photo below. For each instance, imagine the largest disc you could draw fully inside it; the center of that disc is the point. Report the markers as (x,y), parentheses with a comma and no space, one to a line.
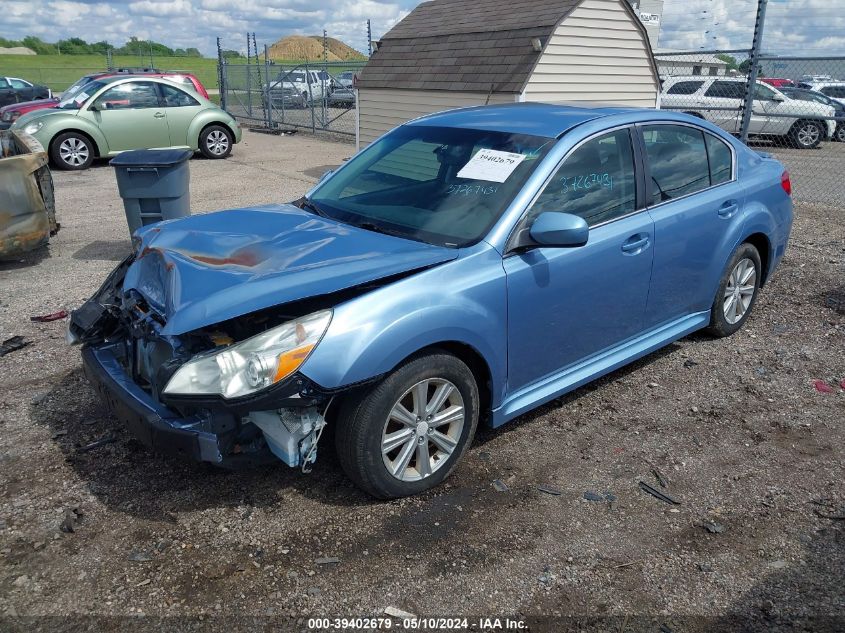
(730,60)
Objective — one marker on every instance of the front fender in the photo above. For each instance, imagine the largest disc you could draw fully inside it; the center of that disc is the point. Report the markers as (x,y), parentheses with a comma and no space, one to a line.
(462,301)
(72,123)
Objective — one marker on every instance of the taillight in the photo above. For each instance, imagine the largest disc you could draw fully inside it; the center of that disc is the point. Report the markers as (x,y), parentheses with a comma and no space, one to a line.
(786,183)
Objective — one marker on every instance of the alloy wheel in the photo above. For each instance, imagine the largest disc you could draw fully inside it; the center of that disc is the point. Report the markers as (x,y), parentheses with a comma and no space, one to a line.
(808,134)
(74,152)
(423,429)
(739,291)
(217,142)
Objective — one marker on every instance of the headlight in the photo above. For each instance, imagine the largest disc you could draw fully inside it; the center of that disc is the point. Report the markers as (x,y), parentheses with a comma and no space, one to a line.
(32,128)
(253,364)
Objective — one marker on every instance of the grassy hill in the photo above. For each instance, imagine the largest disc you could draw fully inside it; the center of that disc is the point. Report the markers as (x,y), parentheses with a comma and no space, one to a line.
(310,48)
(60,71)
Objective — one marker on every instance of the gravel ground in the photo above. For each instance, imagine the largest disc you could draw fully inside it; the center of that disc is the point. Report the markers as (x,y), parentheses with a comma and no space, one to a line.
(746,443)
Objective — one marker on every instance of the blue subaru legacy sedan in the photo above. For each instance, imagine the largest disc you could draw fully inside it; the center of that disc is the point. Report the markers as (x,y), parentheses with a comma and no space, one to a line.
(469,265)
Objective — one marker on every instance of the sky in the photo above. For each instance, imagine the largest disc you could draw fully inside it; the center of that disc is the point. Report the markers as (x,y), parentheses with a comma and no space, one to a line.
(800,27)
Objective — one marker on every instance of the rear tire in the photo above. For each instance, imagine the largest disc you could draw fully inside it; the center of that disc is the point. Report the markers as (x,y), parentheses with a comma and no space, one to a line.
(737,292)
(215,142)
(806,134)
(839,134)
(72,151)
(405,435)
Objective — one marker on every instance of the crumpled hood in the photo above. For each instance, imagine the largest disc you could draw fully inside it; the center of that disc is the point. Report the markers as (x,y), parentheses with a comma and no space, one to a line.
(208,268)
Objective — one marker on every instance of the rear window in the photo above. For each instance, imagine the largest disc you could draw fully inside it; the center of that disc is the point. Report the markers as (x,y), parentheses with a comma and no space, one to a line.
(685,87)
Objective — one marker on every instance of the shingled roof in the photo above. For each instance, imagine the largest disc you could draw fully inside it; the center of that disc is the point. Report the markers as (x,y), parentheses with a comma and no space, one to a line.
(465,45)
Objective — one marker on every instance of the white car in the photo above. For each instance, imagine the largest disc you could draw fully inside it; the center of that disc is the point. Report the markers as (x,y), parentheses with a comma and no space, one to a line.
(310,85)
(719,100)
(832,89)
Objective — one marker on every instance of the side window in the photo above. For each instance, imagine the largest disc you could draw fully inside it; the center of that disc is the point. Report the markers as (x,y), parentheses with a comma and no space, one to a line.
(837,92)
(175,98)
(685,88)
(763,93)
(3,83)
(720,158)
(134,95)
(19,84)
(677,158)
(596,181)
(726,90)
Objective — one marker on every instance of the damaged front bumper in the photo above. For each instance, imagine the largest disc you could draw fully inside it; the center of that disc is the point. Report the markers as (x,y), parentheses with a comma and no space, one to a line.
(129,365)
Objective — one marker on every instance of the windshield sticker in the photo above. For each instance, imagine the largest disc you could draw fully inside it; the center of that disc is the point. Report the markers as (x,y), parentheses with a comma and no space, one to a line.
(491,165)
(471,190)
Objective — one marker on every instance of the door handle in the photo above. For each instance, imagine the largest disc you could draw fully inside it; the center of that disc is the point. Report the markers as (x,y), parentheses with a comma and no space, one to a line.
(728,210)
(635,244)
(159,115)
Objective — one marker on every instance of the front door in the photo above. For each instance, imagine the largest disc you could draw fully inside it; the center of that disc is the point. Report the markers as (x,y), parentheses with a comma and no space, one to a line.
(567,304)
(725,97)
(131,117)
(181,108)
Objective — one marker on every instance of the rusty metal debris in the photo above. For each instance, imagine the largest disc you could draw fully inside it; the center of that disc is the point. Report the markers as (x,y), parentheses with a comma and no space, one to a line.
(46,318)
(27,204)
(662,496)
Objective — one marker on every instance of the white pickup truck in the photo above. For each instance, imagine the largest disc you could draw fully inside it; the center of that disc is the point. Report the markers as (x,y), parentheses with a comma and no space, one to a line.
(719,100)
(301,87)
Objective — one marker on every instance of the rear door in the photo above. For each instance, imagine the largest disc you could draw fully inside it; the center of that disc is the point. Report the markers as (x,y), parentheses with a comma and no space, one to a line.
(131,117)
(694,199)
(724,100)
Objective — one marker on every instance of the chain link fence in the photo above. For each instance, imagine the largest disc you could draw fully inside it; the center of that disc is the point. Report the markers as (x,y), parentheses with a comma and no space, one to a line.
(312,96)
(794,110)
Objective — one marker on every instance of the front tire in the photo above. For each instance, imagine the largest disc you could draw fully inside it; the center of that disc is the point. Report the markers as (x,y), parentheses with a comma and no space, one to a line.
(72,151)
(807,134)
(215,142)
(406,434)
(737,292)
(839,134)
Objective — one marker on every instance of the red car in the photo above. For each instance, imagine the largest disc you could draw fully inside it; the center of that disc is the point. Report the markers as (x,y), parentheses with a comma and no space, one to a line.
(778,82)
(9,113)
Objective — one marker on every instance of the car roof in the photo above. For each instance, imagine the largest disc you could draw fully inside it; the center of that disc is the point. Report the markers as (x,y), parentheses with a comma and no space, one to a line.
(536,119)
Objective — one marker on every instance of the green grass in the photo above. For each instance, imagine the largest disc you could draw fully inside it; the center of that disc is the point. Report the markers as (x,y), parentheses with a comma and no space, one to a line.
(60,71)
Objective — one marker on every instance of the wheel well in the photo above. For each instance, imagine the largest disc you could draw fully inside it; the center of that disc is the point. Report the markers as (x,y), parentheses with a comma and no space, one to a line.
(81,133)
(761,243)
(478,367)
(208,125)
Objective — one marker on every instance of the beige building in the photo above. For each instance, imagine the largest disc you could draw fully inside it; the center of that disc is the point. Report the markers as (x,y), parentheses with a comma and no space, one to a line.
(456,53)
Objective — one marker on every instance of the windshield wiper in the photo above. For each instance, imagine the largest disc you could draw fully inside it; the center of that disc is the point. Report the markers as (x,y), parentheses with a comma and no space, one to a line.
(375,228)
(305,203)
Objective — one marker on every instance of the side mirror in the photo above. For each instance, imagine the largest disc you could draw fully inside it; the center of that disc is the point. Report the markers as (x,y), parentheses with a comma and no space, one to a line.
(778,97)
(93,108)
(561,230)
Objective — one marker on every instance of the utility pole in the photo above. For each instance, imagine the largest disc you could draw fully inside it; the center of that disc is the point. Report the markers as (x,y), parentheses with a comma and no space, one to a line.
(221,74)
(753,70)
(369,39)
(150,42)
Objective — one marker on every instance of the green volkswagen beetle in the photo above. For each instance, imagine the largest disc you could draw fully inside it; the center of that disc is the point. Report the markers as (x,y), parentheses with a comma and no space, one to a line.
(111,115)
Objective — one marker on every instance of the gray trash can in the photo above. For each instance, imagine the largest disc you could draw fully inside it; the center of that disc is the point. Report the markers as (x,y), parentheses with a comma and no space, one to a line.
(154,185)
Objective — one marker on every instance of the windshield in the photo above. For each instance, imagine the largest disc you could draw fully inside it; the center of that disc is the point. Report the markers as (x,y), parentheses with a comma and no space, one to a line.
(444,186)
(74,101)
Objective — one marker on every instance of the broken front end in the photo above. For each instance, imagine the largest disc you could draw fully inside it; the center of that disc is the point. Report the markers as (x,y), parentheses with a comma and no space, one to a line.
(229,394)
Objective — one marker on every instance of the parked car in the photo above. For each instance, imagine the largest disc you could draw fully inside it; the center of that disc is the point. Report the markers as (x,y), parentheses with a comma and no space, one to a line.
(110,115)
(469,265)
(719,100)
(9,114)
(15,90)
(26,195)
(342,98)
(834,90)
(345,79)
(817,97)
(778,82)
(311,85)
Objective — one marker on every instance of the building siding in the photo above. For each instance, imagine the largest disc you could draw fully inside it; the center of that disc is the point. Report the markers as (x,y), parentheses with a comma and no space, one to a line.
(382,109)
(597,54)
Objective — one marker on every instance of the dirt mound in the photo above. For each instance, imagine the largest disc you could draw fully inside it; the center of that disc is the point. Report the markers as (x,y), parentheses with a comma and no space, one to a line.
(302,48)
